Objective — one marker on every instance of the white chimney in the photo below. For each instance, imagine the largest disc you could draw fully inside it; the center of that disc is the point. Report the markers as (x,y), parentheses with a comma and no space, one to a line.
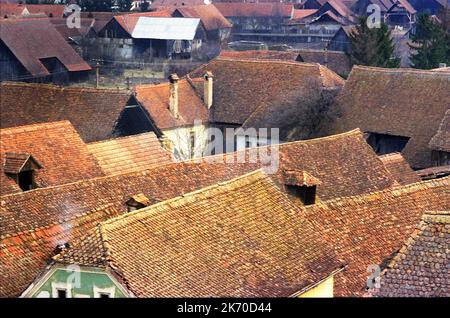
(208,89)
(173,98)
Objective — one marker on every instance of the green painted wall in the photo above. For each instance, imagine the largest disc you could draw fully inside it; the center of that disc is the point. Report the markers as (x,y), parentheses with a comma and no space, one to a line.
(88,279)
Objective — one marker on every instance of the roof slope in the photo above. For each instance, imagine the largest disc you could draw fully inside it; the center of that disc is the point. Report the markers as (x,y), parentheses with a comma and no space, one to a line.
(269,90)
(129,21)
(421,267)
(337,61)
(211,18)
(33,39)
(441,141)
(369,229)
(125,154)
(252,243)
(259,54)
(255,9)
(155,99)
(56,146)
(349,168)
(399,168)
(93,112)
(25,255)
(401,102)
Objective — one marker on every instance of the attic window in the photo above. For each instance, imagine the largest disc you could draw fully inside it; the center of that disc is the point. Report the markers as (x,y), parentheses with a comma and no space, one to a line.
(301,185)
(384,143)
(21,168)
(137,202)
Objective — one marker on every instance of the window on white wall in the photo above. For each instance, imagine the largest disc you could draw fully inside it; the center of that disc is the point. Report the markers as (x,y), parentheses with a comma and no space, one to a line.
(61,290)
(104,292)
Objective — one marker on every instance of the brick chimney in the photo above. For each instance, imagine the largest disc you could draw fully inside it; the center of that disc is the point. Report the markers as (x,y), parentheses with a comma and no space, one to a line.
(208,89)
(173,98)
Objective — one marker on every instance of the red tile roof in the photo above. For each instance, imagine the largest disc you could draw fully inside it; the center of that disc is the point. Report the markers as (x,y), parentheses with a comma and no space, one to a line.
(93,112)
(421,267)
(126,154)
(211,18)
(399,168)
(299,14)
(255,9)
(349,168)
(128,21)
(11,9)
(259,54)
(239,252)
(401,102)
(57,147)
(50,10)
(155,99)
(31,40)
(367,230)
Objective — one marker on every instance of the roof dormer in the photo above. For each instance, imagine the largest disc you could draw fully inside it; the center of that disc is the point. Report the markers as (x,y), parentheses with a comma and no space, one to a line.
(22,167)
(301,185)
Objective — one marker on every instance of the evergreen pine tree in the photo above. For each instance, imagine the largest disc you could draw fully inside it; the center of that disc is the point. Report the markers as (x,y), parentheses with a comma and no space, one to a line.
(372,46)
(430,43)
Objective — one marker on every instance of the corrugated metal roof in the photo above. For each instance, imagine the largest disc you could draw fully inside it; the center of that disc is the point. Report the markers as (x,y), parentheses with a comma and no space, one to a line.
(166,28)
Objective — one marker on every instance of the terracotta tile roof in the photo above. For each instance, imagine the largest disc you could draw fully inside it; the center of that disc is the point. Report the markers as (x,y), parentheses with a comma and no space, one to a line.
(93,112)
(368,229)
(262,93)
(24,255)
(441,140)
(176,3)
(15,162)
(399,168)
(402,102)
(239,248)
(255,9)
(300,14)
(31,40)
(434,172)
(259,54)
(128,21)
(50,10)
(125,154)
(11,9)
(300,178)
(57,147)
(211,18)
(155,99)
(421,267)
(336,61)
(61,26)
(349,167)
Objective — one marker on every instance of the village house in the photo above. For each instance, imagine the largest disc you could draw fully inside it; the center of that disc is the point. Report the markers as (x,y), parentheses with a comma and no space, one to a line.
(431,7)
(31,49)
(216,26)
(341,40)
(178,114)
(368,230)
(43,155)
(60,213)
(256,21)
(150,35)
(420,268)
(178,269)
(250,94)
(400,110)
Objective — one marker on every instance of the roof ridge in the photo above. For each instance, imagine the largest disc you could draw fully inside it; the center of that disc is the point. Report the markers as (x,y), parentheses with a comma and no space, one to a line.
(260,60)
(399,70)
(395,191)
(37,126)
(246,178)
(121,138)
(64,88)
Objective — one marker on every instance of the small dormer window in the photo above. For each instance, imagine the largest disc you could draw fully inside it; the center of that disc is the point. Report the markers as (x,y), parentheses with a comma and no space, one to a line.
(137,202)
(301,186)
(22,169)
